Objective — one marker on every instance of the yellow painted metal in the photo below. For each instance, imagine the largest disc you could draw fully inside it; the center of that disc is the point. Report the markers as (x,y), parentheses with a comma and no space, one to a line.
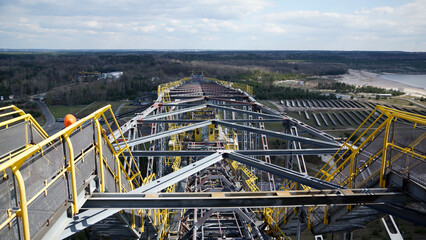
(20,112)
(351,149)
(326,173)
(20,158)
(15,161)
(23,211)
(10,216)
(384,151)
(135,177)
(309,217)
(118,166)
(101,162)
(161,216)
(23,117)
(212,134)
(197,133)
(243,87)
(71,169)
(271,215)
(325,215)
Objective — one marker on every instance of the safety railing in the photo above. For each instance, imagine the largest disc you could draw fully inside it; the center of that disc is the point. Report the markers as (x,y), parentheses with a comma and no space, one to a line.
(393,141)
(243,87)
(19,131)
(167,86)
(50,174)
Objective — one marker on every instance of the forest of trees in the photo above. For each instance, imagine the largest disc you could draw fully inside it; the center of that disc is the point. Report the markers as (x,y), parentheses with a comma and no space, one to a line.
(55,73)
(340,87)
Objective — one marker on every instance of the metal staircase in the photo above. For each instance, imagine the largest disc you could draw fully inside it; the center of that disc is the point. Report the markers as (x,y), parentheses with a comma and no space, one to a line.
(396,146)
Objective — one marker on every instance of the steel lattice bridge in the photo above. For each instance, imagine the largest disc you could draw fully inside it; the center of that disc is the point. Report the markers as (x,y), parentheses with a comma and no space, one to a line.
(196,164)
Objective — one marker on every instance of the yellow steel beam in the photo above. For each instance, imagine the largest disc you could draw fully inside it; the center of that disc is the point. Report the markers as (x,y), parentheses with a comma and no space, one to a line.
(101,158)
(384,149)
(23,211)
(20,158)
(71,169)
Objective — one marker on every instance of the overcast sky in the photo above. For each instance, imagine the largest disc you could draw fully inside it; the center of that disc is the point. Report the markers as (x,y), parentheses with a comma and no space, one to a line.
(214,24)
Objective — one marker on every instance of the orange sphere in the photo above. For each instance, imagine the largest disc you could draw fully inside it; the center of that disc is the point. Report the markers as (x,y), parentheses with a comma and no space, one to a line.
(69,120)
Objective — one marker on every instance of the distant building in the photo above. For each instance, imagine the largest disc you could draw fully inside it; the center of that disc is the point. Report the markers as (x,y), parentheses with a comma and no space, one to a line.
(111,75)
(384,95)
(343,96)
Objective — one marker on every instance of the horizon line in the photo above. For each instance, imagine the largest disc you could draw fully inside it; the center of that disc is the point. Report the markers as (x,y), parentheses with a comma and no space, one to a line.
(2,50)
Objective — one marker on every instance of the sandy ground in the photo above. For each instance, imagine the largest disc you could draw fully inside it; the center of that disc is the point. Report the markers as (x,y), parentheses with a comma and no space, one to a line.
(361,78)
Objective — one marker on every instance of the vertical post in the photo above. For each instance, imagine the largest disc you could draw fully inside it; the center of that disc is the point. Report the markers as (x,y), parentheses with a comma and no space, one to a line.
(101,161)
(325,215)
(309,217)
(351,170)
(129,136)
(142,213)
(194,233)
(117,162)
(285,215)
(298,224)
(23,203)
(72,170)
(385,146)
(133,219)
(27,140)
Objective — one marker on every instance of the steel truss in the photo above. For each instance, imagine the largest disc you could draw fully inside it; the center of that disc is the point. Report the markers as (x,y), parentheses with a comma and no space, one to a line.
(201,167)
(219,118)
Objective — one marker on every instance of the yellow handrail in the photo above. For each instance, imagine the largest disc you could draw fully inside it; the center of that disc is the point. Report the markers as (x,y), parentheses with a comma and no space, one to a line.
(16,161)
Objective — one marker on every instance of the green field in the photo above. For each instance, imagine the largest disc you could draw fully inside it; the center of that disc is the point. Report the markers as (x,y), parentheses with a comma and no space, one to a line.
(59,111)
(80,111)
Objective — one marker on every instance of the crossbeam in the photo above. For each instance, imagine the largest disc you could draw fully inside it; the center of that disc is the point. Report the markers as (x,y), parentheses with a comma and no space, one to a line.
(92,216)
(254,120)
(310,141)
(270,152)
(257,114)
(168,133)
(296,198)
(175,112)
(281,171)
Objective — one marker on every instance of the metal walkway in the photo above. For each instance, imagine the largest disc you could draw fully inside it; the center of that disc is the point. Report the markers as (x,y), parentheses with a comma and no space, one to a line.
(198,164)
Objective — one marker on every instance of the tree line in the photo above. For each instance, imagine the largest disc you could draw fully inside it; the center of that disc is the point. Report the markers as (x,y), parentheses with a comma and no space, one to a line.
(340,87)
(55,73)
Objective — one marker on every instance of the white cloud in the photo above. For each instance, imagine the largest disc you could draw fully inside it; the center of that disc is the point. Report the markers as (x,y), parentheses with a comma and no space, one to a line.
(380,28)
(92,24)
(148,28)
(178,24)
(273,28)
